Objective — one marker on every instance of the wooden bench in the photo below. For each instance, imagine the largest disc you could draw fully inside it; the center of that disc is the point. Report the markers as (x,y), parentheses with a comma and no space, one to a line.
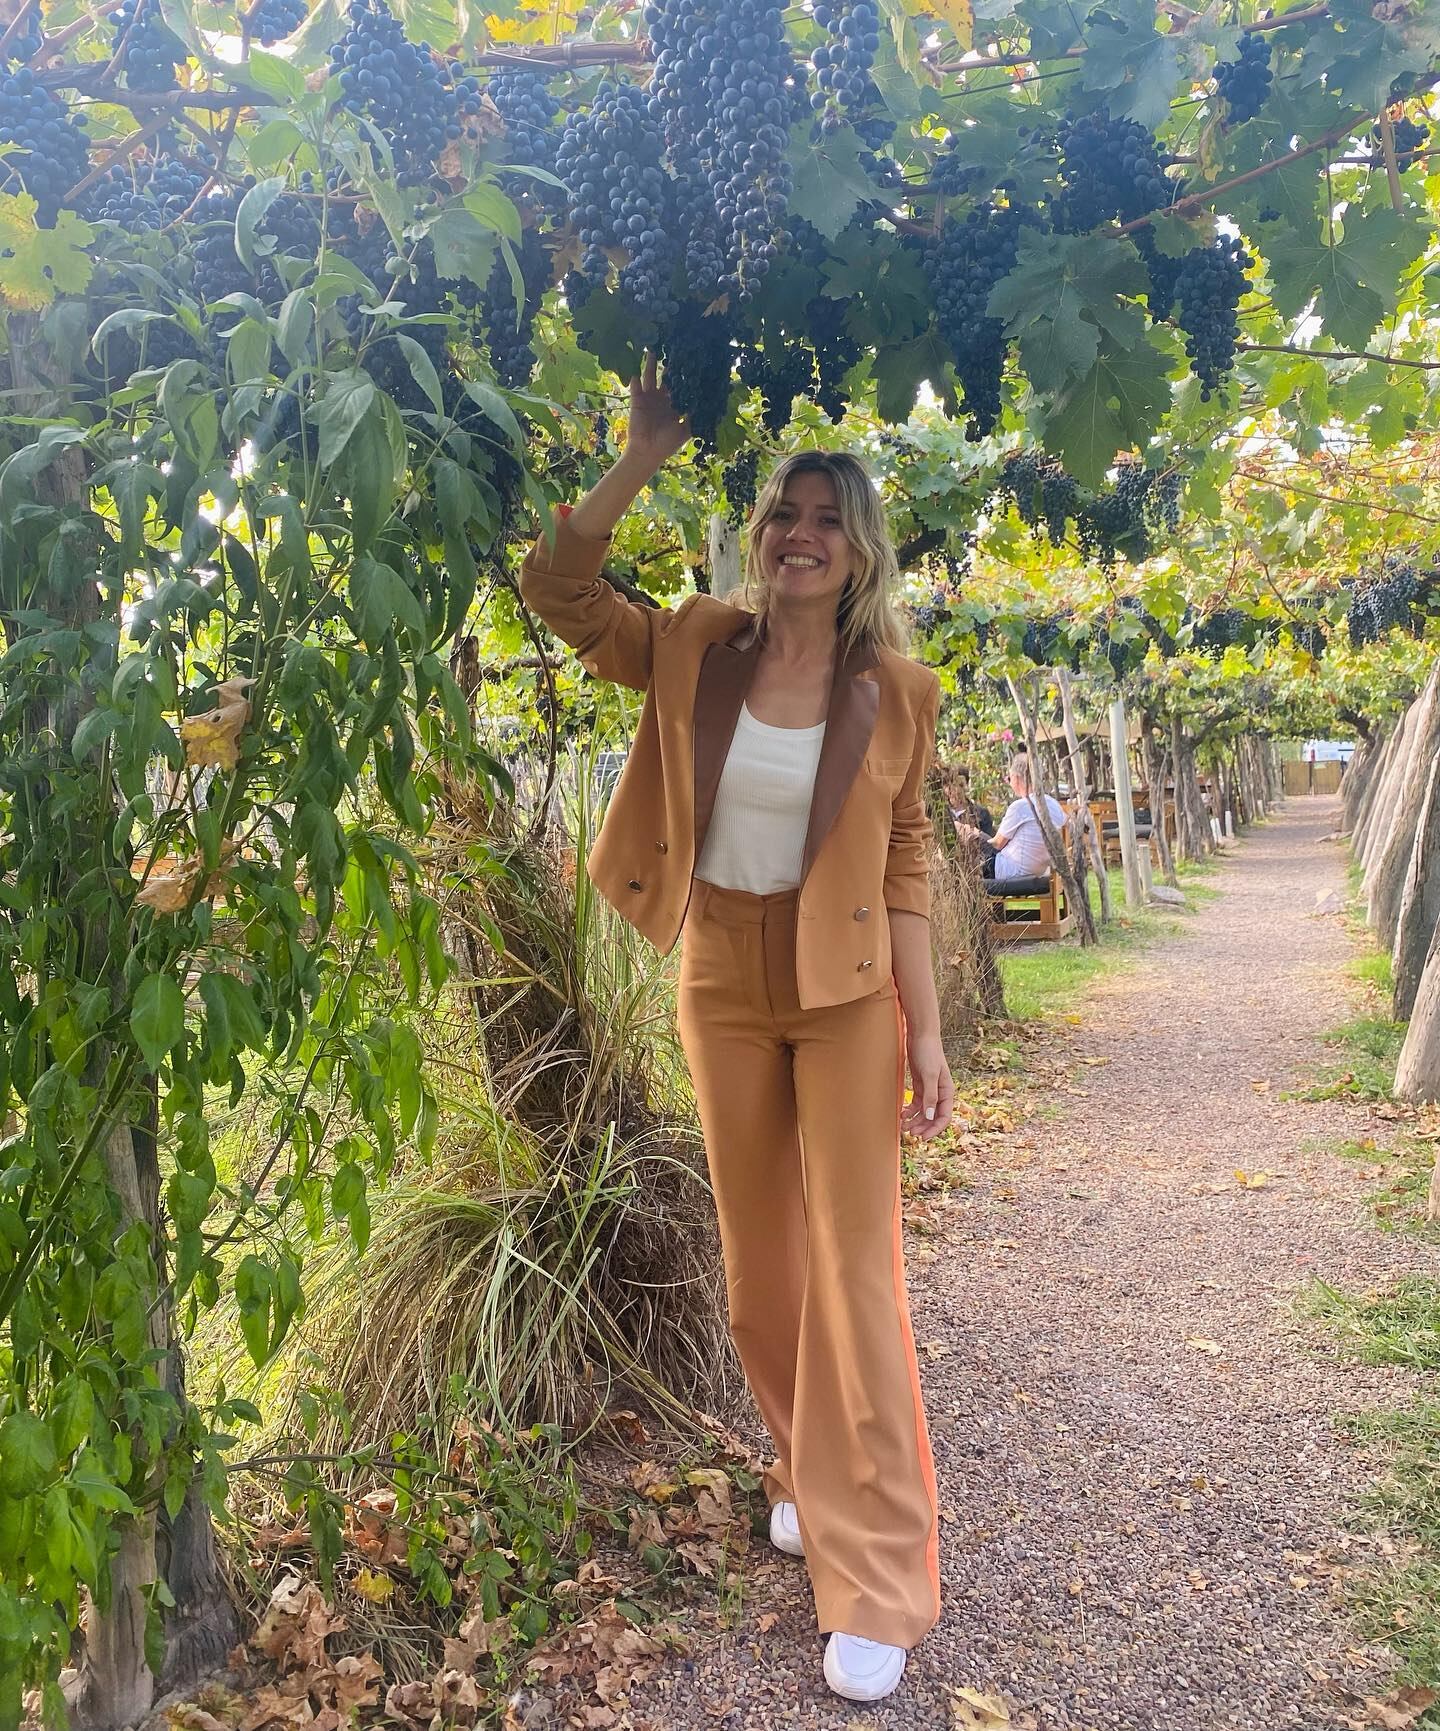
(1030,910)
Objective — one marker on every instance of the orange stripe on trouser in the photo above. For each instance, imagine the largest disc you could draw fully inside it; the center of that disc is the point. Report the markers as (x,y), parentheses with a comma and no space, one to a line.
(801,1116)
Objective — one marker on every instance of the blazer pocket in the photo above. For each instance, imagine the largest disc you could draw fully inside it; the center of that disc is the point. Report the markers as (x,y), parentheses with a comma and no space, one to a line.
(889,767)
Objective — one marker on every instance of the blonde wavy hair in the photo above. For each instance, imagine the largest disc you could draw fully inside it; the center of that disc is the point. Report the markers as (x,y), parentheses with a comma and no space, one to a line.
(866,615)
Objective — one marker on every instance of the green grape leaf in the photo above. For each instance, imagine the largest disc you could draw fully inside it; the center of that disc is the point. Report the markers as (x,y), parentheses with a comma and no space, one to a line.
(36,264)
(901,368)
(1129,63)
(1065,293)
(1355,282)
(1116,405)
(830,185)
(1361,49)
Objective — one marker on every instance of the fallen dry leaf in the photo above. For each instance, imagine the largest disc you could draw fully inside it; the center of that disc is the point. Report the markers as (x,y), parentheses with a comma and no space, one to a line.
(652,1481)
(295,1625)
(972,1711)
(357,1681)
(272,1706)
(1201,1344)
(1399,1711)
(410,1703)
(1252,1180)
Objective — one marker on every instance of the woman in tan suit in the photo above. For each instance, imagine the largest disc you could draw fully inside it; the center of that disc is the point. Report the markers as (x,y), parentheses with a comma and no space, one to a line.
(773,805)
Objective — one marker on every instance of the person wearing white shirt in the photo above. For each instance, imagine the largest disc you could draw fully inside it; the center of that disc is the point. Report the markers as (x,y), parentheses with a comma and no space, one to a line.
(1019,843)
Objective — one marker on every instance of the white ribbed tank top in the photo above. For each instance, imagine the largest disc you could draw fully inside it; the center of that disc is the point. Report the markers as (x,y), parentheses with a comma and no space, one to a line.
(756,839)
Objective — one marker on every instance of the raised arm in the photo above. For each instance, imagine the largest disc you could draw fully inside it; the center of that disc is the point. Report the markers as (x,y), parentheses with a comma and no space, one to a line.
(561,578)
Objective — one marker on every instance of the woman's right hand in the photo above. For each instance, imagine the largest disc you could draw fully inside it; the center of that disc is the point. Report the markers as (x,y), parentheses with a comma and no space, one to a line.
(655,432)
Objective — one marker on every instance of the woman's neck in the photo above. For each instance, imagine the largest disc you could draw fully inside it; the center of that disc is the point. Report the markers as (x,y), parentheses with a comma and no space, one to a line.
(800,635)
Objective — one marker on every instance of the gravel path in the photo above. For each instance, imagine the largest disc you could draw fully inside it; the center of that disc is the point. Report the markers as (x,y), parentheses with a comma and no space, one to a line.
(1139,1480)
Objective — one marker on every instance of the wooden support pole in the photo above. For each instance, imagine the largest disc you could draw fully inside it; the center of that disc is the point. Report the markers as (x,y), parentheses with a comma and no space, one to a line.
(1124,805)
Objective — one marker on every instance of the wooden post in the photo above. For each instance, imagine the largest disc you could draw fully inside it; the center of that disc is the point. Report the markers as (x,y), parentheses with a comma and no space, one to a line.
(724,555)
(1079,781)
(1124,806)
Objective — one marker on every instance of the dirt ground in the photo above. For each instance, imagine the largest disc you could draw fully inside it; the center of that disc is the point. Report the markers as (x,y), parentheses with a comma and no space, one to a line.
(1140,1481)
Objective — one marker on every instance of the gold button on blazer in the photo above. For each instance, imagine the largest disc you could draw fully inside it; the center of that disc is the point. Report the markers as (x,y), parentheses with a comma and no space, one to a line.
(868,841)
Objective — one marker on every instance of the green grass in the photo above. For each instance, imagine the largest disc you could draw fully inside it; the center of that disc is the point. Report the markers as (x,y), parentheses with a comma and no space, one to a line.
(1373,970)
(1043,979)
(1369,1048)
(1400,1202)
(1400,1325)
(1397,1602)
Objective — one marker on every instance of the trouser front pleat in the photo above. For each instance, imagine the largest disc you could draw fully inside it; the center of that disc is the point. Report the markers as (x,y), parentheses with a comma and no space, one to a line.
(800,1110)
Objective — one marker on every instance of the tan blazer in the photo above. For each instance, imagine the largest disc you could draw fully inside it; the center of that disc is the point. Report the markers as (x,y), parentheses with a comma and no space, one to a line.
(868,844)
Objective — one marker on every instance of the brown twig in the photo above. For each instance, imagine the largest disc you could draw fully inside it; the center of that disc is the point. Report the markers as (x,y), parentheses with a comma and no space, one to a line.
(125,149)
(1338,355)
(1198,200)
(68,34)
(1335,498)
(12,29)
(1392,168)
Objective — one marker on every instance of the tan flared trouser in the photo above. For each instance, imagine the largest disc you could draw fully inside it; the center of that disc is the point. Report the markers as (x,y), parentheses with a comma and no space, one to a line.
(800,1110)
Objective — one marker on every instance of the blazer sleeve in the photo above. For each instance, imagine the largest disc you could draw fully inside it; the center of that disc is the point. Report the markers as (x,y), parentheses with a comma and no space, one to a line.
(614,638)
(907,864)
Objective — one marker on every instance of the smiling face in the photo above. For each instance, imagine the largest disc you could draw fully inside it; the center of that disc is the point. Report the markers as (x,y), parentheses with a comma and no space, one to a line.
(804,553)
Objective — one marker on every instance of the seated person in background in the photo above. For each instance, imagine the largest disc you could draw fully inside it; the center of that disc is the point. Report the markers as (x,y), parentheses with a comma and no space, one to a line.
(965,808)
(1019,849)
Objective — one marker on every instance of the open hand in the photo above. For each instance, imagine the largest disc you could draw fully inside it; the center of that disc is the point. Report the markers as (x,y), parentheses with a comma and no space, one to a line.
(655,432)
(932,1093)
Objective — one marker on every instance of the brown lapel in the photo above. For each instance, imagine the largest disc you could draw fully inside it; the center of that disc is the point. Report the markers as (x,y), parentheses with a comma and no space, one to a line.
(725,676)
(849,723)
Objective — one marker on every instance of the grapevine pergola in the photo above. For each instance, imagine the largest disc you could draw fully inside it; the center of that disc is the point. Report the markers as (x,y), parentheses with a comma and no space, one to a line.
(311,316)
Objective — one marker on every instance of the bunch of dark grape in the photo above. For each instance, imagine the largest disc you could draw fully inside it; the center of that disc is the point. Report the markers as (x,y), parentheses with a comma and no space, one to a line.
(739,478)
(1042,639)
(1220,630)
(1163,270)
(964,264)
(1111,169)
(611,162)
(1411,138)
(952,175)
(1244,83)
(697,352)
(528,109)
(1208,288)
(51,150)
(417,287)
(836,352)
(781,372)
(932,613)
(289,223)
(1043,494)
(842,63)
(143,195)
(1386,603)
(395,84)
(29,39)
(274,20)
(151,49)
(508,327)
(724,91)
(1310,639)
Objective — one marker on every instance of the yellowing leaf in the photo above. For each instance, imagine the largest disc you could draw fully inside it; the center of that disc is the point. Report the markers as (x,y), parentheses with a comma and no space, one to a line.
(1201,1344)
(36,264)
(958,14)
(374,1589)
(1252,1180)
(972,1711)
(214,737)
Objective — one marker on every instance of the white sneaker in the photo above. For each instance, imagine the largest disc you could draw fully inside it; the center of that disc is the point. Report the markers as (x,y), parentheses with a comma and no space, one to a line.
(785,1530)
(862,1670)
